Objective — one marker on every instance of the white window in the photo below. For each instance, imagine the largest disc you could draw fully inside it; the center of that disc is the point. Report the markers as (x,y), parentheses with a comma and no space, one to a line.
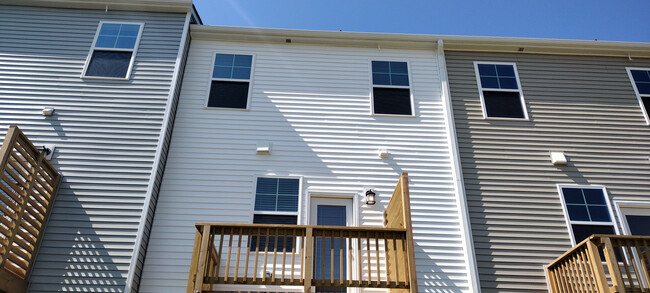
(640,78)
(500,90)
(391,90)
(276,202)
(113,51)
(587,211)
(230,82)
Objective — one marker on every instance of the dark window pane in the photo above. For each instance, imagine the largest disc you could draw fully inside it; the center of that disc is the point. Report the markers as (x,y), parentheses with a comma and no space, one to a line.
(287,243)
(224,60)
(490,82)
(110,29)
(646,104)
(287,203)
(228,94)
(267,185)
(398,68)
(641,75)
(222,72)
(573,195)
(639,225)
(106,41)
(577,212)
(599,214)
(288,186)
(487,70)
(125,42)
(506,70)
(265,202)
(129,30)
(643,88)
(381,78)
(277,194)
(243,60)
(399,79)
(508,83)
(392,101)
(241,73)
(581,232)
(503,104)
(594,196)
(109,64)
(380,67)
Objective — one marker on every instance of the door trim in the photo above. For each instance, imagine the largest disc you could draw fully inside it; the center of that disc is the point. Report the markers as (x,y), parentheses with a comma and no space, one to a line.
(621,205)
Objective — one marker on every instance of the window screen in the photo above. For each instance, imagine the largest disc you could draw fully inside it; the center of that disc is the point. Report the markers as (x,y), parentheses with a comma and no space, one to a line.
(391,91)
(230,81)
(500,92)
(113,50)
(588,212)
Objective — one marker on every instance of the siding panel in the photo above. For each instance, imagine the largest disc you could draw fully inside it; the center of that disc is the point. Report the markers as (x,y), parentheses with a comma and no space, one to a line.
(312,104)
(584,106)
(105,132)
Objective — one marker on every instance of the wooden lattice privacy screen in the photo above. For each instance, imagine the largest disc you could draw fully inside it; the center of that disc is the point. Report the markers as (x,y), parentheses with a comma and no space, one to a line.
(28,185)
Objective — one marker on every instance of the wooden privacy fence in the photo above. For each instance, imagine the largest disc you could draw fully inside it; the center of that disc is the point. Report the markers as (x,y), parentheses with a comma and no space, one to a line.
(308,256)
(28,185)
(603,263)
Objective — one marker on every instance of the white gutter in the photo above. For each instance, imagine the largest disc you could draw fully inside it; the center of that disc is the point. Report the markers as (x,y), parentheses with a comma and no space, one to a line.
(157,164)
(459,184)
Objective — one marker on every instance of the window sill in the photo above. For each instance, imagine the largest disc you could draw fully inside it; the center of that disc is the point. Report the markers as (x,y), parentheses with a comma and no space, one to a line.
(225,108)
(506,119)
(392,115)
(105,78)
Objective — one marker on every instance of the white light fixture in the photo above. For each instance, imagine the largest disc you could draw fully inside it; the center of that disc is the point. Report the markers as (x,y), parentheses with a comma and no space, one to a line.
(48,111)
(558,159)
(383,153)
(263,148)
(370,197)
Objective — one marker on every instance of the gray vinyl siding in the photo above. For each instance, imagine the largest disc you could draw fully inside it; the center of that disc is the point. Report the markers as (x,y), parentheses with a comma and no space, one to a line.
(106,134)
(582,105)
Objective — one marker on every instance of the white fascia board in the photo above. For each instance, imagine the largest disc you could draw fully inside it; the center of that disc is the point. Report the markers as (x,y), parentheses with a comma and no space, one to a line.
(174,6)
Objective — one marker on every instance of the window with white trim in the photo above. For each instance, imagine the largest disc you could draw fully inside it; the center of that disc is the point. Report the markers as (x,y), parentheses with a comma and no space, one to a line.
(640,78)
(500,90)
(276,202)
(230,83)
(587,211)
(113,50)
(391,90)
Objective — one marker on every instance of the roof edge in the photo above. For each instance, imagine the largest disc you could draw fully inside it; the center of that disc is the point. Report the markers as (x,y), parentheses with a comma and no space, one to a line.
(173,6)
(452,43)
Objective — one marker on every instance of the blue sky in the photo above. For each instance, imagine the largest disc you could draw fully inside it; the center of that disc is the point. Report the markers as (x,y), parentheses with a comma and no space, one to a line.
(615,20)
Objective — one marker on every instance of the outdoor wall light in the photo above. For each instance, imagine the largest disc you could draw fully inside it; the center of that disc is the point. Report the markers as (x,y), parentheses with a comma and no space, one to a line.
(370,197)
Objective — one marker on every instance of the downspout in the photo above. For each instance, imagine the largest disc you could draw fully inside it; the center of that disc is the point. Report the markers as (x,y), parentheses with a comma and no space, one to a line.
(158,165)
(459,185)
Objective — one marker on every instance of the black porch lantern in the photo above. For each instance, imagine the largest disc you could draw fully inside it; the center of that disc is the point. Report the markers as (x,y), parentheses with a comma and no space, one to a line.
(370,197)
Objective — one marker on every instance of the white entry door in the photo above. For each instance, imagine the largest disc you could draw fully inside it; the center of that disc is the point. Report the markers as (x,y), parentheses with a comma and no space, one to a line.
(330,212)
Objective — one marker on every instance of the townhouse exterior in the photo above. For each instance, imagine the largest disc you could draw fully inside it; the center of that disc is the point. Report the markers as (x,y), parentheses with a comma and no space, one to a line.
(501,139)
(580,100)
(98,80)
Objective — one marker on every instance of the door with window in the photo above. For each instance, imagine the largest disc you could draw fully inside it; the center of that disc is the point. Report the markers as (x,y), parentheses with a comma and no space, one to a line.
(330,212)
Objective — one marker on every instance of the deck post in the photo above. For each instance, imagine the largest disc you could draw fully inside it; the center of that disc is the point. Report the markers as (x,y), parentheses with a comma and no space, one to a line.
(309,233)
(597,267)
(612,265)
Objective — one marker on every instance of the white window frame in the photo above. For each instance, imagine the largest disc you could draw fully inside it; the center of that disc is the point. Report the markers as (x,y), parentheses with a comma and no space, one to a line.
(296,213)
(646,115)
(133,51)
(211,78)
(569,223)
(518,90)
(409,87)
(622,205)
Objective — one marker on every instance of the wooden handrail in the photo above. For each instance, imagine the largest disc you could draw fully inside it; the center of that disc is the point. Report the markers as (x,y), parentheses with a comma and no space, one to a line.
(603,263)
(308,256)
(28,186)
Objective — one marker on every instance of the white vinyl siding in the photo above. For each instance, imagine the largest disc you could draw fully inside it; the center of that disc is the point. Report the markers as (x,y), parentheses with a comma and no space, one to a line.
(106,133)
(312,104)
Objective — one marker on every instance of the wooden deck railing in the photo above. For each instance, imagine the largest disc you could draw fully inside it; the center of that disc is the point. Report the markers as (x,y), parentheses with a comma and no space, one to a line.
(603,263)
(28,185)
(308,256)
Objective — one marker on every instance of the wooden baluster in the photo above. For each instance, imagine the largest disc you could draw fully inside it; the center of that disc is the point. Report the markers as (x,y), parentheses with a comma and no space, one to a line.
(386,252)
(359,257)
(377,258)
(322,259)
(644,266)
(331,257)
(349,244)
(396,260)
(230,236)
(241,232)
(581,272)
(248,252)
(589,279)
(309,262)
(369,257)
(219,255)
(301,254)
(275,253)
(284,253)
(341,261)
(266,253)
(257,253)
(294,234)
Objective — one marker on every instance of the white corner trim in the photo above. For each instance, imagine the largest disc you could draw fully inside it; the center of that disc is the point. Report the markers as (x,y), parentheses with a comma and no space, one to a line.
(459,184)
(137,248)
